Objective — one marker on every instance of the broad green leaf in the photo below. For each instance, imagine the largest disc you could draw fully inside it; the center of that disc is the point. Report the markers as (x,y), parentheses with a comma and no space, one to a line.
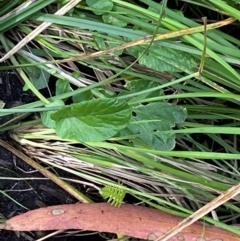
(163,59)
(149,120)
(46,116)
(135,86)
(100,6)
(94,120)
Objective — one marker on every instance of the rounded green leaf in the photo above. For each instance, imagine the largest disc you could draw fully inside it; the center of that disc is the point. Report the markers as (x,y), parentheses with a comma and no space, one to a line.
(148,122)
(94,120)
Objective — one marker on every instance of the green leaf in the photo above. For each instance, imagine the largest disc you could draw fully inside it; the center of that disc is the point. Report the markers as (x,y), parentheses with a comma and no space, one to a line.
(101,5)
(135,86)
(94,120)
(62,86)
(114,43)
(100,42)
(112,19)
(104,93)
(86,95)
(149,120)
(46,116)
(163,59)
(38,77)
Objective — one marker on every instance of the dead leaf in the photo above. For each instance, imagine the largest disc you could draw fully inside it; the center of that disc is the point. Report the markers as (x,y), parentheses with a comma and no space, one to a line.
(129,220)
